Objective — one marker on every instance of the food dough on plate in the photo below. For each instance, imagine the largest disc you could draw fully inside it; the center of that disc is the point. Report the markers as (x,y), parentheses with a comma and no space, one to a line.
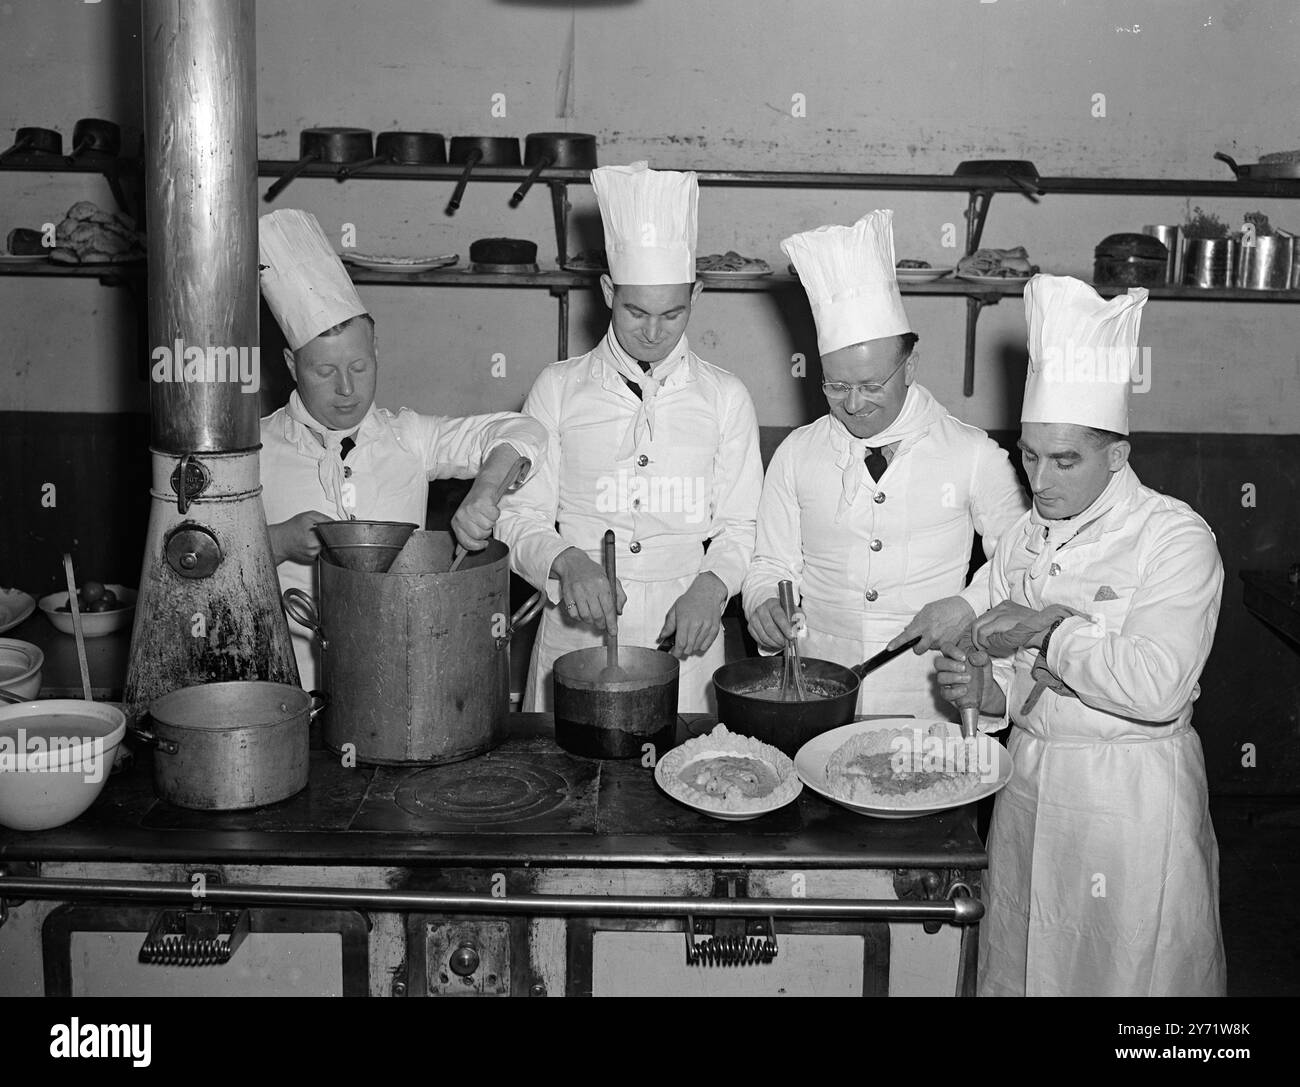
(890,768)
(729,773)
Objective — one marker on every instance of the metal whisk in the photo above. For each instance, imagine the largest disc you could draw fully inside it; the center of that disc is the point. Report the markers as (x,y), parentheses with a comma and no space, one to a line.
(792,685)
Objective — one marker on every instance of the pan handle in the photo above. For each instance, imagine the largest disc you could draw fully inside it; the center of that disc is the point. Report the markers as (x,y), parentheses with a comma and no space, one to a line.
(543,163)
(301,606)
(883,657)
(351,168)
(293,171)
(319,701)
(1238,170)
(471,160)
(522,617)
(167,747)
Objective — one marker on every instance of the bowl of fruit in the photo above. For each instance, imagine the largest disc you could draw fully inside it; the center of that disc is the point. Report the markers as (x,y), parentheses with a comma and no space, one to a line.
(104,608)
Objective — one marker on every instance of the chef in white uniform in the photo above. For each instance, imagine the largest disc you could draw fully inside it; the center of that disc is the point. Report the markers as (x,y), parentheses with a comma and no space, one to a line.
(331,419)
(1103,865)
(870,510)
(647,439)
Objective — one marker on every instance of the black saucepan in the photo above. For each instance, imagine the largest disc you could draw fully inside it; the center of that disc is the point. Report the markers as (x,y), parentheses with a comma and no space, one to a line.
(402,149)
(93,138)
(749,697)
(335,145)
(471,151)
(35,141)
(1261,171)
(566,150)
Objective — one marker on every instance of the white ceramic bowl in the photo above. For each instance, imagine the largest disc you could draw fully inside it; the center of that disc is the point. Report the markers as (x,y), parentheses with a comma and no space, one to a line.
(20,667)
(93,624)
(55,756)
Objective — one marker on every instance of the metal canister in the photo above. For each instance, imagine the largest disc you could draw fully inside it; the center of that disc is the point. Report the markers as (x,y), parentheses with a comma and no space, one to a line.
(416,659)
(1265,262)
(1209,262)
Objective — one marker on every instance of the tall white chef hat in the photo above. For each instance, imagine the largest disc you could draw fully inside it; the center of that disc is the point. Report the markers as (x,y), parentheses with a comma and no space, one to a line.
(303,280)
(848,274)
(651,222)
(1081,353)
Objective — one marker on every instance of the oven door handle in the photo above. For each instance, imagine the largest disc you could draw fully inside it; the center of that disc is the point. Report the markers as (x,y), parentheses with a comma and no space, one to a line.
(962,910)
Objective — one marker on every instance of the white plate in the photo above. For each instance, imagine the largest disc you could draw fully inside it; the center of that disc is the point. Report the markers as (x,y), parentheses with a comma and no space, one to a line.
(921,275)
(729,273)
(996,281)
(15,606)
(400,264)
(810,764)
(674,765)
(23,258)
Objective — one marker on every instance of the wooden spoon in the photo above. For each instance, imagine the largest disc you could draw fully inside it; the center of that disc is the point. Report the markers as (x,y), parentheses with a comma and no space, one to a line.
(76,627)
(611,673)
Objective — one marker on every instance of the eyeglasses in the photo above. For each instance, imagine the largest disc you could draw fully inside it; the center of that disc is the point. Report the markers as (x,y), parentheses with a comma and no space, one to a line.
(838,390)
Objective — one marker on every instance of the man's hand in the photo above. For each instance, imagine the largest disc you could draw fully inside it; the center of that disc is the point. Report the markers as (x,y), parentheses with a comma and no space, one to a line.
(295,539)
(477,515)
(938,622)
(955,669)
(1007,627)
(771,627)
(475,518)
(584,590)
(696,616)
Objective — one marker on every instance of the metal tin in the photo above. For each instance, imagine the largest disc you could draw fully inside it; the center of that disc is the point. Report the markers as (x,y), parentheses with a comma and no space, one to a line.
(1209,262)
(1266,264)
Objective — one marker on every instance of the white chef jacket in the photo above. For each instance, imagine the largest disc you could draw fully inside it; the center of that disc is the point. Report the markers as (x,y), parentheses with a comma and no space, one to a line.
(697,478)
(904,542)
(1103,865)
(388,475)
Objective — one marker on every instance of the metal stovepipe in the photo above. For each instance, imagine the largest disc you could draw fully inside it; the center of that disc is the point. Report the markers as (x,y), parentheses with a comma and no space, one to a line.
(209,597)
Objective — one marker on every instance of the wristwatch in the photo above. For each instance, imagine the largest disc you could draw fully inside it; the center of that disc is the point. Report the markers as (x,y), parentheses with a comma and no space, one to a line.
(1047,638)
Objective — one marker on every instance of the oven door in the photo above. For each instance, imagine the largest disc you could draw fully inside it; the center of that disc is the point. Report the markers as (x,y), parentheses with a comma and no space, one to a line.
(94,950)
(726,957)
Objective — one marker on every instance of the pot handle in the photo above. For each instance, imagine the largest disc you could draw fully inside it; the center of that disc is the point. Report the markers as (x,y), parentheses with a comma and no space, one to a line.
(471,160)
(319,701)
(1230,161)
(301,606)
(522,191)
(523,616)
(167,747)
(291,173)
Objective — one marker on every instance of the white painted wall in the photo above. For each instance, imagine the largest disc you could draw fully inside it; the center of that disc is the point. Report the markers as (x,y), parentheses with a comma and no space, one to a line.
(890,86)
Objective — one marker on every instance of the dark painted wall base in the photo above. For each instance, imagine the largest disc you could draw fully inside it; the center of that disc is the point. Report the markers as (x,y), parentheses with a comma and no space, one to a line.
(80,483)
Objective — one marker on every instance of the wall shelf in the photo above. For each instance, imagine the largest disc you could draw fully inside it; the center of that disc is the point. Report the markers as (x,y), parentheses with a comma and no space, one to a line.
(979,190)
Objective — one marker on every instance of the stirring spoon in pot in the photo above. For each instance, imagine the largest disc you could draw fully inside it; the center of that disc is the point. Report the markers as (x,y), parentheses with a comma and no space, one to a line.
(611,673)
(76,627)
(792,685)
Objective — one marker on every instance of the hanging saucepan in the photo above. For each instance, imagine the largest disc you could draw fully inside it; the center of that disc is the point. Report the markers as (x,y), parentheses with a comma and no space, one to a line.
(336,145)
(35,141)
(750,700)
(1286,165)
(230,746)
(402,149)
(565,150)
(471,151)
(93,138)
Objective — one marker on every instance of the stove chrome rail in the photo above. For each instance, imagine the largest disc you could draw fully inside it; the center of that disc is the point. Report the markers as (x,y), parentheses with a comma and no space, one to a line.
(958,909)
